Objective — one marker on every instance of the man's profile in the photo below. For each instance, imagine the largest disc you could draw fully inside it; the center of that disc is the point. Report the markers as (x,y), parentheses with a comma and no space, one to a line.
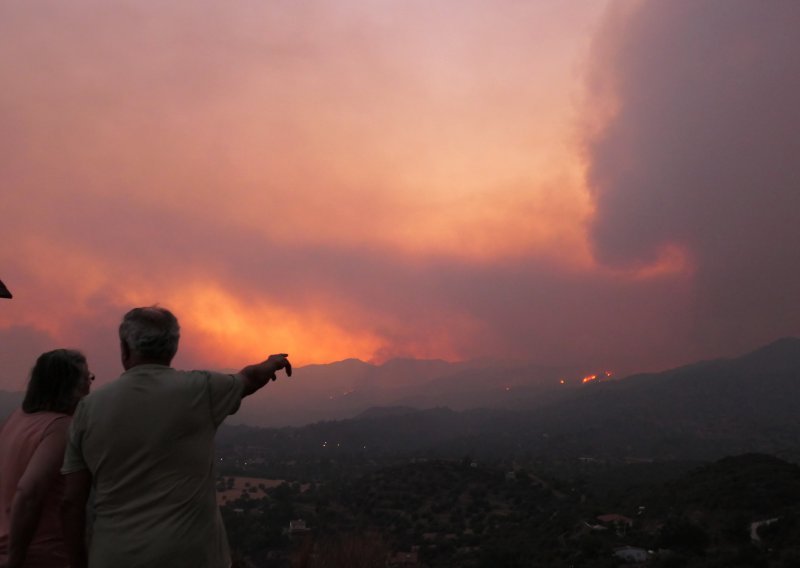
(145,443)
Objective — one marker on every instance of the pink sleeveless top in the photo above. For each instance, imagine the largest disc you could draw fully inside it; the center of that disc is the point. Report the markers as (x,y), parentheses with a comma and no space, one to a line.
(19,438)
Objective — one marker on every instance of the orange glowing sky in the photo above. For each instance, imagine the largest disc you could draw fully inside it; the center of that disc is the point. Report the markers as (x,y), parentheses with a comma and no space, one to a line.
(342,179)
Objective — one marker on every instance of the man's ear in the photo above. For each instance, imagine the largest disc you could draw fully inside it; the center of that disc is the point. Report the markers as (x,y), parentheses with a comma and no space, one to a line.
(125,354)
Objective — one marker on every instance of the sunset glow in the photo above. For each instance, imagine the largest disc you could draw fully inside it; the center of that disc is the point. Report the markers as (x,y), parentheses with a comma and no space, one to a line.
(225,329)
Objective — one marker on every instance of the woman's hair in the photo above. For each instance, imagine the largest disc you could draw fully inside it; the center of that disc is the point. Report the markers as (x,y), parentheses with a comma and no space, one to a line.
(54,381)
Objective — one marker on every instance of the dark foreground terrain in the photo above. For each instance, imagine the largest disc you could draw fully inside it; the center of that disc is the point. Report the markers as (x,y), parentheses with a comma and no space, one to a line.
(450,513)
(691,467)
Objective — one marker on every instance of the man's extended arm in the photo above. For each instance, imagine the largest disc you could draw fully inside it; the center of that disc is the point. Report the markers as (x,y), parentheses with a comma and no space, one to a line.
(256,376)
(73,516)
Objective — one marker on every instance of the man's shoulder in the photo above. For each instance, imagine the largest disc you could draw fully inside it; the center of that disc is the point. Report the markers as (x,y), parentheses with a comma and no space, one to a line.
(153,378)
(163,370)
(205,374)
(156,374)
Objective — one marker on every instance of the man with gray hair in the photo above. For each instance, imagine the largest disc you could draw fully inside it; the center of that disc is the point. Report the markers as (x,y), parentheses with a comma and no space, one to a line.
(145,443)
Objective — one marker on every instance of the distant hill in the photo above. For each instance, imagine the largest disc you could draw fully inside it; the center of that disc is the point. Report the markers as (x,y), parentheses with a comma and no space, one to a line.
(712,408)
(701,411)
(383,411)
(762,484)
(345,389)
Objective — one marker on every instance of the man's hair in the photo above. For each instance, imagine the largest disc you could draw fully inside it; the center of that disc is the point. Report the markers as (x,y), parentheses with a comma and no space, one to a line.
(151,332)
(54,382)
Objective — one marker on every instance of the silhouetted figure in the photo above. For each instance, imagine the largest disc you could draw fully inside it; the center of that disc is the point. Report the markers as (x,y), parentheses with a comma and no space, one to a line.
(32,442)
(146,444)
(4,293)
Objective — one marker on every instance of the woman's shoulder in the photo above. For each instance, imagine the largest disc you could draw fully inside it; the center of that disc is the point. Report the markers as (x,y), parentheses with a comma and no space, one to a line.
(45,420)
(34,426)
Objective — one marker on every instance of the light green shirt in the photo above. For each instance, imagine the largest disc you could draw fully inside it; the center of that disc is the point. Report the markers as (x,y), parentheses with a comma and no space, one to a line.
(148,441)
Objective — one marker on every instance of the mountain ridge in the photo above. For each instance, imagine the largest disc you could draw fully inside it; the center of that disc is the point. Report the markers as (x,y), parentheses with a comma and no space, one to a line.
(699,411)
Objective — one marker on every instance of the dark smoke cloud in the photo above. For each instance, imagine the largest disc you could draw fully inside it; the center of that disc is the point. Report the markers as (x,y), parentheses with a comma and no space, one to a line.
(702,152)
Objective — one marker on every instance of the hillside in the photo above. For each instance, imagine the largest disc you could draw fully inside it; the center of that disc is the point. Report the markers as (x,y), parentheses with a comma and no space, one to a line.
(345,389)
(702,411)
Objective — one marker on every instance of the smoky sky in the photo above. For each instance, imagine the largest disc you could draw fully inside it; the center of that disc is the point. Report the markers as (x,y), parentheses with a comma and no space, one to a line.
(702,153)
(555,182)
